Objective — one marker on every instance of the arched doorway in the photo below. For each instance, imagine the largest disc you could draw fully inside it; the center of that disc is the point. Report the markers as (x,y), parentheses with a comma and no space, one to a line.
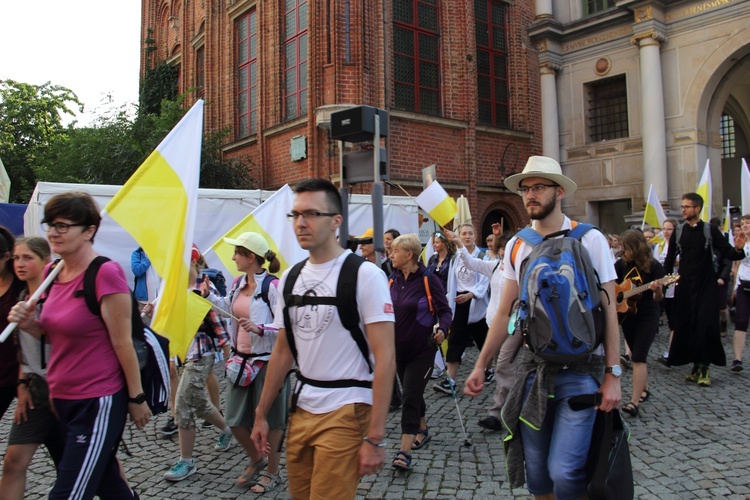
(497,215)
(724,110)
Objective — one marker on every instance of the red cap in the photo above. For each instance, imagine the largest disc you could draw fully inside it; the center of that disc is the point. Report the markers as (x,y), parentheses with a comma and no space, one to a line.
(195,254)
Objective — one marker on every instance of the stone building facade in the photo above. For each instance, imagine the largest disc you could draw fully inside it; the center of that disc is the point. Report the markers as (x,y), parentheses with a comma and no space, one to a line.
(459,78)
(638,93)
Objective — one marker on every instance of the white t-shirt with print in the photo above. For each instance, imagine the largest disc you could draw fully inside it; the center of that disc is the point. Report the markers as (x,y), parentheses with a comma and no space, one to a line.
(325,349)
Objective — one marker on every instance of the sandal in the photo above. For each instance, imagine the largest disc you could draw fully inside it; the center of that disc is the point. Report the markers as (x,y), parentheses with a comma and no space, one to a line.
(631,409)
(262,486)
(645,395)
(426,439)
(249,478)
(402,461)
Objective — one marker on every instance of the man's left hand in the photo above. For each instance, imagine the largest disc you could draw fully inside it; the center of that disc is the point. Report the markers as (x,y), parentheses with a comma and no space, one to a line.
(371,459)
(611,393)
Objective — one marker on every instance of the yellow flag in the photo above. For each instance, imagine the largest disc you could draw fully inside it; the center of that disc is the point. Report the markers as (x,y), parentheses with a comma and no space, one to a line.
(654,214)
(157,207)
(705,188)
(269,219)
(436,202)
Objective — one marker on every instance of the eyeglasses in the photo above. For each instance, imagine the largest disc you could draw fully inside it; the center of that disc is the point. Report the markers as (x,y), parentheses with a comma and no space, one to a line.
(60,227)
(309,215)
(536,189)
(685,207)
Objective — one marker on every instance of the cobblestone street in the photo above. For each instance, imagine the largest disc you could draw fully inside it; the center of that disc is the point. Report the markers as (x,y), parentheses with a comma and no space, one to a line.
(687,442)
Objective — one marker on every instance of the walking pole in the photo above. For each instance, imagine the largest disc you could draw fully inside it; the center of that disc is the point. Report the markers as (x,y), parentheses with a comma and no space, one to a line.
(452,383)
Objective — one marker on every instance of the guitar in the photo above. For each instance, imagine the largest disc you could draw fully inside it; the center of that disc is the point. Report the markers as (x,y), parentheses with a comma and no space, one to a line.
(626,294)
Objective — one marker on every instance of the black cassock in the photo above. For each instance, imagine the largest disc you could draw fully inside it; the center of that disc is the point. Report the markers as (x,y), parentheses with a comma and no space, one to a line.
(696,302)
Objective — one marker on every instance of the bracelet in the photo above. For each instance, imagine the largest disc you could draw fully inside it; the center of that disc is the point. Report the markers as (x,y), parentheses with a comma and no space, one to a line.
(376,445)
(22,381)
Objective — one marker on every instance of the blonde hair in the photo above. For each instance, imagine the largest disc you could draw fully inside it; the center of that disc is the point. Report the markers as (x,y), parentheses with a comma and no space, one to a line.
(410,243)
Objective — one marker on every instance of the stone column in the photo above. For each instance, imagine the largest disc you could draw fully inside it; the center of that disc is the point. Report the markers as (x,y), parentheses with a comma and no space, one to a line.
(653,126)
(550,121)
(543,8)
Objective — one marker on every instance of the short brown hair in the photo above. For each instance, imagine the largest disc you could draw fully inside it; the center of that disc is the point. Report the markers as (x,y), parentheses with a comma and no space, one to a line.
(76,206)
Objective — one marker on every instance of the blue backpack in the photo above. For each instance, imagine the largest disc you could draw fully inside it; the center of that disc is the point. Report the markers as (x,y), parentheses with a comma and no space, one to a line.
(559,310)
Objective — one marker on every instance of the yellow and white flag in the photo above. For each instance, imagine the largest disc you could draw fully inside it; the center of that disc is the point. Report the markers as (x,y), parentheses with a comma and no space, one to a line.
(436,202)
(726,227)
(4,184)
(270,220)
(705,188)
(157,207)
(654,214)
(745,186)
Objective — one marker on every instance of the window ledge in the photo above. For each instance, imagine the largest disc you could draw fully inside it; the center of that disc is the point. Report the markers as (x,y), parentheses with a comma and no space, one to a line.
(283,127)
(434,120)
(247,141)
(505,132)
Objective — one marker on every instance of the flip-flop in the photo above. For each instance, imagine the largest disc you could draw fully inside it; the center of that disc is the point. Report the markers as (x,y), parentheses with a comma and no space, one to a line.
(250,478)
(426,439)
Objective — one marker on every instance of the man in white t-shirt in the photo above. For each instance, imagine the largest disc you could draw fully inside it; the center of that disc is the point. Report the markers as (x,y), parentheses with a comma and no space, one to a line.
(336,434)
(554,439)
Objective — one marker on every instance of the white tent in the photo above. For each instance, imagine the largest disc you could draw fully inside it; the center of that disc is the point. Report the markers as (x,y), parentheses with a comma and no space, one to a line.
(218,211)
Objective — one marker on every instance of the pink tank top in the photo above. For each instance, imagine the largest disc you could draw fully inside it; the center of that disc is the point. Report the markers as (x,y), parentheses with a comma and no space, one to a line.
(240,308)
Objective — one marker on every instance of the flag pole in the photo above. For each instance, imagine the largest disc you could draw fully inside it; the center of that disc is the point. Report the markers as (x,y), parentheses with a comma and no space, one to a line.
(39,291)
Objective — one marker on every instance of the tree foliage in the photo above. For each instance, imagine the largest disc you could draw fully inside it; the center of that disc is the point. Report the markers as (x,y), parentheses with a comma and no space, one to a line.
(36,147)
(30,124)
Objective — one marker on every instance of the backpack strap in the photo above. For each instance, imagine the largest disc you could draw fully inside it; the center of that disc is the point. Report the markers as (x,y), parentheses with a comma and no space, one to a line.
(89,285)
(264,289)
(291,279)
(578,230)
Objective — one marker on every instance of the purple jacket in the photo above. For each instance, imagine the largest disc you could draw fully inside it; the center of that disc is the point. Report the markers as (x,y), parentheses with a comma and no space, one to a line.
(413,318)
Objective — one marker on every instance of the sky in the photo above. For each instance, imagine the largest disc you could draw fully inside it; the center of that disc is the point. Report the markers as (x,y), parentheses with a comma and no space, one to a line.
(91,47)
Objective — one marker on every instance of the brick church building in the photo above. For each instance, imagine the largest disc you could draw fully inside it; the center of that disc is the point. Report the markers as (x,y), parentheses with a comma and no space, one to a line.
(459,79)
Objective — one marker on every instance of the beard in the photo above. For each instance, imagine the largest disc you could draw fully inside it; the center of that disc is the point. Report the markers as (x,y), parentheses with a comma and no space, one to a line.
(542,210)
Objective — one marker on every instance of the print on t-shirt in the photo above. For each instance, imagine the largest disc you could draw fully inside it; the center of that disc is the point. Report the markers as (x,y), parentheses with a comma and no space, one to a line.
(634,276)
(312,320)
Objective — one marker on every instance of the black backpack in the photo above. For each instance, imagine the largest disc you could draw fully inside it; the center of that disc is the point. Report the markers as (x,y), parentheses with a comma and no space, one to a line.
(151,348)
(346,303)
(217,278)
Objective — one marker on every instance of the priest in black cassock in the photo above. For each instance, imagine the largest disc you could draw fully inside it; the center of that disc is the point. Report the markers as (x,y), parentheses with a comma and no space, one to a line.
(696,311)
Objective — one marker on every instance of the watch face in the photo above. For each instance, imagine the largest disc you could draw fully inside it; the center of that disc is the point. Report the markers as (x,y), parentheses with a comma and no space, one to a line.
(616,370)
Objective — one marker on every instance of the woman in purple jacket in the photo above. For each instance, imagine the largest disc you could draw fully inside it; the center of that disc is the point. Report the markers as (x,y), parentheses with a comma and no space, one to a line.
(422,318)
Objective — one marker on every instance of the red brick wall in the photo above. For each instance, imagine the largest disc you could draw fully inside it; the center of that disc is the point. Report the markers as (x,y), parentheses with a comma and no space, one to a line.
(467,157)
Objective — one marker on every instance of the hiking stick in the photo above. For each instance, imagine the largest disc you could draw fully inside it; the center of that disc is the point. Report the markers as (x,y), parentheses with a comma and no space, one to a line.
(452,383)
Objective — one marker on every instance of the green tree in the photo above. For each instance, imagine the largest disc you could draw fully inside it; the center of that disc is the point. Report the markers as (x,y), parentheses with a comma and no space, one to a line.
(112,149)
(30,123)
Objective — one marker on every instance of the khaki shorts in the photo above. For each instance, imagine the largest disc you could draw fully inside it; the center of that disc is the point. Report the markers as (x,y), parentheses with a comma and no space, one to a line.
(328,445)
(242,402)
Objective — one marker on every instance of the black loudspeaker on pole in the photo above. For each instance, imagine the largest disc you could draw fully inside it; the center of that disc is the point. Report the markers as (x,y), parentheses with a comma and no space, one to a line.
(344,228)
(377,217)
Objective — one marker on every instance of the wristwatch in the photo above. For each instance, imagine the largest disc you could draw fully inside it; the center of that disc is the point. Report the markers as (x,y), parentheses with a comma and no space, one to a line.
(615,370)
(140,398)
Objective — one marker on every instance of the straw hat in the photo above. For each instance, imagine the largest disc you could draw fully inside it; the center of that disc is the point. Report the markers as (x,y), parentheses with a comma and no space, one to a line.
(546,168)
(369,233)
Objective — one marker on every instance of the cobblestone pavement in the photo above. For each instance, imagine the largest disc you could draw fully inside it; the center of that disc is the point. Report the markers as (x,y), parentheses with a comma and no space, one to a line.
(688,442)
